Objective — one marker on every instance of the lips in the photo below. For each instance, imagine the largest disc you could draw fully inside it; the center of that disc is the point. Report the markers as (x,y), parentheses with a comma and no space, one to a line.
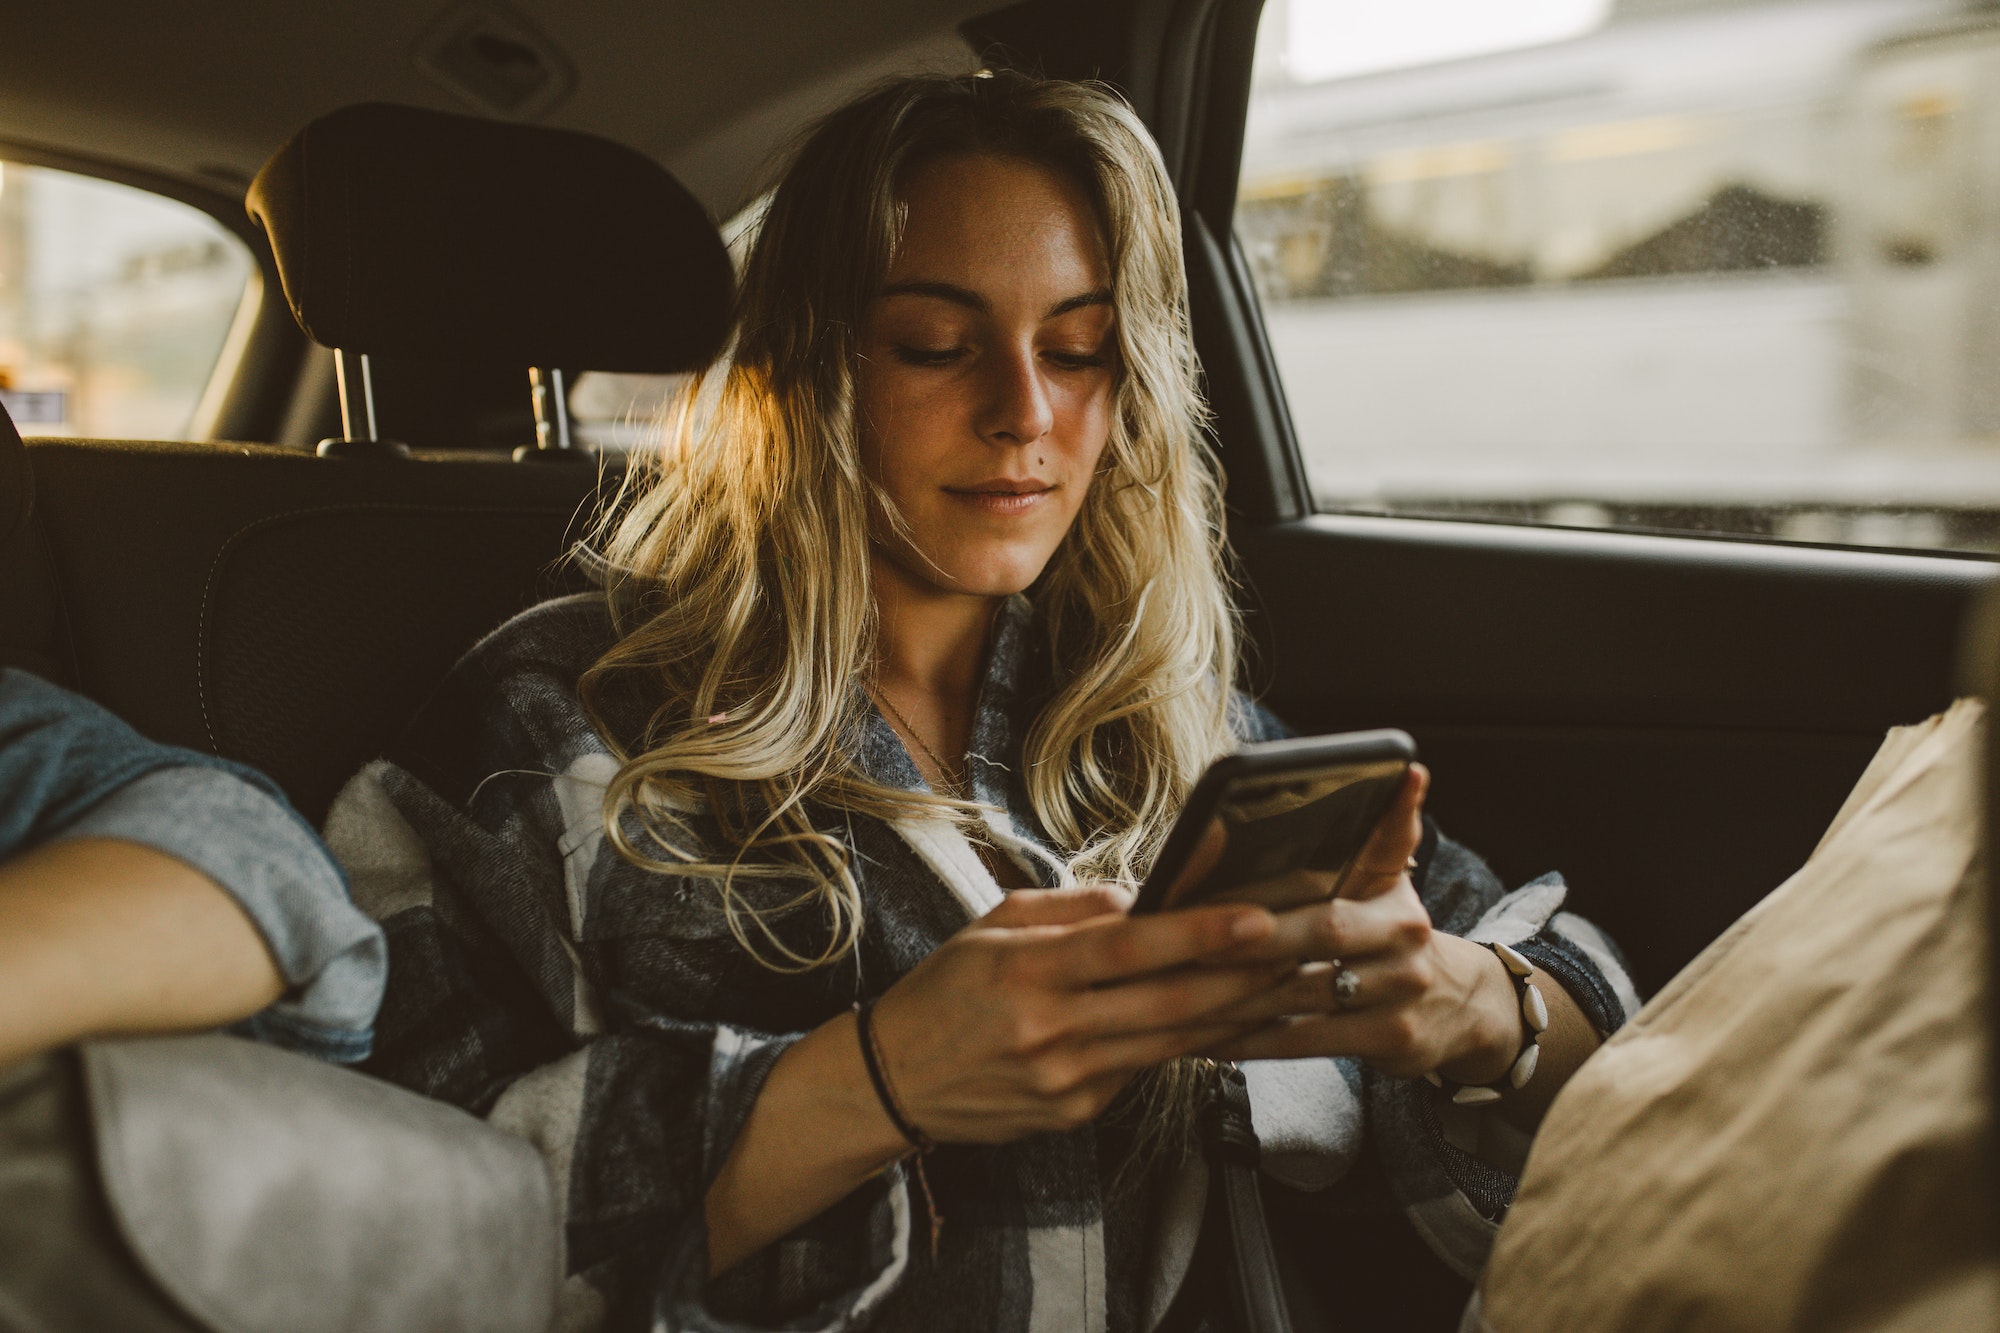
(1003,495)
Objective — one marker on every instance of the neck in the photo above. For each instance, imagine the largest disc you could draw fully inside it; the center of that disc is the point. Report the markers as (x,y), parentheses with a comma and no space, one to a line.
(931,641)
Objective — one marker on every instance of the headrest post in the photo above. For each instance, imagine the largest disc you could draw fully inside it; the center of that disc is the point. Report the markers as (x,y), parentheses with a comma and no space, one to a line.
(360,438)
(551,399)
(357,396)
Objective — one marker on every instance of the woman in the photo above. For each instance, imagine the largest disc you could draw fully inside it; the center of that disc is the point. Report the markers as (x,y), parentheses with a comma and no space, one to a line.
(922,603)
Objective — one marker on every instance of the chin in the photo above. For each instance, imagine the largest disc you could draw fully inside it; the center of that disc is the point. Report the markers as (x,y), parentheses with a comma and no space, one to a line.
(991,575)
(993,585)
(974,568)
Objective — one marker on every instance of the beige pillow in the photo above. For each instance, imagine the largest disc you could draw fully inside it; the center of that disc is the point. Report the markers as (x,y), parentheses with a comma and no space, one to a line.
(1792,1134)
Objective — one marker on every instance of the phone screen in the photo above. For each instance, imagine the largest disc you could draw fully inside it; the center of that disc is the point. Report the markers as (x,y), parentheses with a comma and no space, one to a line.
(1295,805)
(1314,821)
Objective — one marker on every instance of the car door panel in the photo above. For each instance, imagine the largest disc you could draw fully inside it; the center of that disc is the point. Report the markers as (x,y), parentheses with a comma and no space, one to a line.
(1671,723)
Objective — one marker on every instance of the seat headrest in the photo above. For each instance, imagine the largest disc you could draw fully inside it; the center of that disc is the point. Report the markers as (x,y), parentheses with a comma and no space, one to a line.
(404,232)
(17,495)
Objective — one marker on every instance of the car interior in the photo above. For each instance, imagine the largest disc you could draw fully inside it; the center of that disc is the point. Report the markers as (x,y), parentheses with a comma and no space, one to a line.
(456,212)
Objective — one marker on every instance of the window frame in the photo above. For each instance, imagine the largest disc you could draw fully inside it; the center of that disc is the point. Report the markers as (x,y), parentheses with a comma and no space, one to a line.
(1205,89)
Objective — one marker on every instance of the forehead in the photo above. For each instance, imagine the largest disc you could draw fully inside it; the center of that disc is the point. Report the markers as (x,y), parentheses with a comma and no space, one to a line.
(990,222)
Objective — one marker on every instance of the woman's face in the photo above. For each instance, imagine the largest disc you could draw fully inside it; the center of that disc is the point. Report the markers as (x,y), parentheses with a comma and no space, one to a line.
(986,373)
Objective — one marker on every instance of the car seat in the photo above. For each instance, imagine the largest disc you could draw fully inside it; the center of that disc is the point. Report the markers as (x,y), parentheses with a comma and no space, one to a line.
(292,611)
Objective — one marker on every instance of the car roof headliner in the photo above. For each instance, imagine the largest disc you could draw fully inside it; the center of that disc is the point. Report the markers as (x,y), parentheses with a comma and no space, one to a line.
(203,91)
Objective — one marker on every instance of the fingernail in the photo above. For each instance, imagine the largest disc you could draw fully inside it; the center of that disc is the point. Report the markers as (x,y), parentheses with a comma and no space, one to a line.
(1252,926)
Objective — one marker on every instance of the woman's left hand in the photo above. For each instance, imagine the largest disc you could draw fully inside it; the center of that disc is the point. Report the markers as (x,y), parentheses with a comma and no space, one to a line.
(1421,1000)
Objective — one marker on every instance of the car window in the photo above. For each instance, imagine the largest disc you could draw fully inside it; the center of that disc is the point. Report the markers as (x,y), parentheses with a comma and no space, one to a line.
(619,412)
(1655,264)
(115,305)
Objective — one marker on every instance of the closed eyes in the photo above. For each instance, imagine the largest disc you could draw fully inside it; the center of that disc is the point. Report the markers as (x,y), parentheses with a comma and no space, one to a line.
(938,357)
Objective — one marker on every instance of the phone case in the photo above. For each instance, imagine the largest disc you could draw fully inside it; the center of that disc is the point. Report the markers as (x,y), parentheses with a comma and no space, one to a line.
(1310,802)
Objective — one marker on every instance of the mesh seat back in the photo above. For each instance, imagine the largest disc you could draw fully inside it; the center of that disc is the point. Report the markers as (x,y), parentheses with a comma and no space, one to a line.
(288,611)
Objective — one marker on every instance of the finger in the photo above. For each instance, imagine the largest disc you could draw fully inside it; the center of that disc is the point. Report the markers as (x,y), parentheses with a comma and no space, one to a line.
(1142,1050)
(1058,907)
(1192,995)
(1386,854)
(1345,928)
(1114,949)
(1311,989)
(1089,1077)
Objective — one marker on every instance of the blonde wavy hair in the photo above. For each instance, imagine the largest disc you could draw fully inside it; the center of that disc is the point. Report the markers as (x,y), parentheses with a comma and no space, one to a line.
(740,548)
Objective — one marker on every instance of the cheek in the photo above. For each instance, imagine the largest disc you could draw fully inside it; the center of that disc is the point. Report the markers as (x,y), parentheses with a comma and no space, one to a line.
(901,427)
(1087,416)
(881,407)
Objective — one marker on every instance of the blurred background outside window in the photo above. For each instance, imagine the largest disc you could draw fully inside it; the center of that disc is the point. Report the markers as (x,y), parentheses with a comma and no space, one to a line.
(620,412)
(115,305)
(1680,265)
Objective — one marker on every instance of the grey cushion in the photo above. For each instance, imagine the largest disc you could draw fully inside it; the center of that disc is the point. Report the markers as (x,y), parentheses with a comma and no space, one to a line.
(267,1191)
(63,1265)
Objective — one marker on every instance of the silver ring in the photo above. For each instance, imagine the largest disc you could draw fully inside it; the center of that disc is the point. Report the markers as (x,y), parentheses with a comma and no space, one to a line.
(1346,985)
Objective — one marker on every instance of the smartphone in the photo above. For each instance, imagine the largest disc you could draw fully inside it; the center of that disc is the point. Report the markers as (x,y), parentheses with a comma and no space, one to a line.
(1304,804)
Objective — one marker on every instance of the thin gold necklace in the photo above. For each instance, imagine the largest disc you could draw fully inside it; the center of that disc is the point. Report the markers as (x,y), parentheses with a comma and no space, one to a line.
(953,787)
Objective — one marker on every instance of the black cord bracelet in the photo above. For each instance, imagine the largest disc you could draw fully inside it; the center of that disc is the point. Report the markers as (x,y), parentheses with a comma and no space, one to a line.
(871,1058)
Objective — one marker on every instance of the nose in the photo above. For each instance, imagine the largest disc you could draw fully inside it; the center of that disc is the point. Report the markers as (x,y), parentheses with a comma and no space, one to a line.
(1016,409)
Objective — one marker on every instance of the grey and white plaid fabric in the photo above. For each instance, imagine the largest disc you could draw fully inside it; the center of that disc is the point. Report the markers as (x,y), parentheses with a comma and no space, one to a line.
(606,1013)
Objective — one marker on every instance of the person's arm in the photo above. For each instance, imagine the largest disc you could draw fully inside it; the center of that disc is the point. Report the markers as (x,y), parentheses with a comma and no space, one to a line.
(99,937)
(84,956)
(1029,1021)
(1494,1040)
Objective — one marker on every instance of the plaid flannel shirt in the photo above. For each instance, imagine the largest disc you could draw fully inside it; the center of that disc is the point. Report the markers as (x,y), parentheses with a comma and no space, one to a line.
(606,1013)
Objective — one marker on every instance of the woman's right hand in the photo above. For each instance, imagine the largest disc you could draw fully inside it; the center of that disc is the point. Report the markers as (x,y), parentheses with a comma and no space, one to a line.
(1034,1017)
(1029,1020)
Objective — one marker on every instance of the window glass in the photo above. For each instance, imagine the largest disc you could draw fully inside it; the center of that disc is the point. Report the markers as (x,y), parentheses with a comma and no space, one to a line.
(619,412)
(115,305)
(1664,264)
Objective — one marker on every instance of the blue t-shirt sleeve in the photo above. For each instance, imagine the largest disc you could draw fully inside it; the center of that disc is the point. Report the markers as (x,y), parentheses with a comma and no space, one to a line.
(70,769)
(60,754)
(332,956)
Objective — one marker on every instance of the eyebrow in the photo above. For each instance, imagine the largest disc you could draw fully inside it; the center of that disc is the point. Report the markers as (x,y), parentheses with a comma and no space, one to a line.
(971,300)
